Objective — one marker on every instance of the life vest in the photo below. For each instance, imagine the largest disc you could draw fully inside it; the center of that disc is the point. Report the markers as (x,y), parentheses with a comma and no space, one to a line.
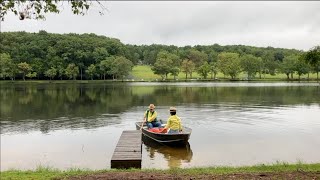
(151,115)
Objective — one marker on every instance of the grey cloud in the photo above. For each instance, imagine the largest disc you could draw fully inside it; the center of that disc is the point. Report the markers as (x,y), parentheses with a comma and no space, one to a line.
(278,24)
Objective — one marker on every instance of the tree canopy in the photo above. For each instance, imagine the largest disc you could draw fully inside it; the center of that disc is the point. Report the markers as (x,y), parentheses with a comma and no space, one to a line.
(37,9)
(90,56)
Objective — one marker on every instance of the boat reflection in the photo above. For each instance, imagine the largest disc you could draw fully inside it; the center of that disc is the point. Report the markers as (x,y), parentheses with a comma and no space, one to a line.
(175,156)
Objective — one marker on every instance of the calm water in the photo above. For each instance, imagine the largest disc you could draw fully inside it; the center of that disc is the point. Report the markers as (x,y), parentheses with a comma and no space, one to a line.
(78,125)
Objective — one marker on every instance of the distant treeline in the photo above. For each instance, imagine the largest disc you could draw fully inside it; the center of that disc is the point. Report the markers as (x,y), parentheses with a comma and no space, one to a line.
(45,55)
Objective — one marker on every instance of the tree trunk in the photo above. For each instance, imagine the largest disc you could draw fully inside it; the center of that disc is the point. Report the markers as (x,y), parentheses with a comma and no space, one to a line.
(81,73)
(291,75)
(186,75)
(287,75)
(259,75)
(104,76)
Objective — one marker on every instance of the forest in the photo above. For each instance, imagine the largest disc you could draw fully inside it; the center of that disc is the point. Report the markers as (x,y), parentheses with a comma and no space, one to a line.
(50,56)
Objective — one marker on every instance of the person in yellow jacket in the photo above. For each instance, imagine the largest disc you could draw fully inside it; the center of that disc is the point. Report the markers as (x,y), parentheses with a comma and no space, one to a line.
(174,122)
(150,117)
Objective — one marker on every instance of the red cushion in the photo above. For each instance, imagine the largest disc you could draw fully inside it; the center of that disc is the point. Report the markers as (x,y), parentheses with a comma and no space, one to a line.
(158,130)
(154,130)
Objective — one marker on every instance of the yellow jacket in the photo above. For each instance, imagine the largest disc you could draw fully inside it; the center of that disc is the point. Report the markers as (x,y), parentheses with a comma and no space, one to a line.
(152,116)
(174,123)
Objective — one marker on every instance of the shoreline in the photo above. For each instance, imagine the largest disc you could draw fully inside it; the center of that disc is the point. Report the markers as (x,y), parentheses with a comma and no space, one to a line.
(278,170)
(162,81)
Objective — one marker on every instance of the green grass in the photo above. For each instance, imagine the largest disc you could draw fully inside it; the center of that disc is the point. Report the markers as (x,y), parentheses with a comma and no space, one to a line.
(49,173)
(145,73)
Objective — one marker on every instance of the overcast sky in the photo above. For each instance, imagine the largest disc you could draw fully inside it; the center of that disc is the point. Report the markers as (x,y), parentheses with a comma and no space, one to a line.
(277,24)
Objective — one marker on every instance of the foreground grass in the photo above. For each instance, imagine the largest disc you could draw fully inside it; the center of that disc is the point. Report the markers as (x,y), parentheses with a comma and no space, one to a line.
(50,173)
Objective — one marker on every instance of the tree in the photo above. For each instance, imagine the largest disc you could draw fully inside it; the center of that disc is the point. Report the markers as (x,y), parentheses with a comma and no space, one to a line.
(99,54)
(72,71)
(313,58)
(269,65)
(91,71)
(187,67)
(103,68)
(106,66)
(37,9)
(301,67)
(38,66)
(261,66)
(150,57)
(214,69)
(81,66)
(166,63)
(229,64)
(7,67)
(25,69)
(175,72)
(162,67)
(60,71)
(212,57)
(250,64)
(204,69)
(51,73)
(288,65)
(278,56)
(31,75)
(184,67)
(122,66)
(197,57)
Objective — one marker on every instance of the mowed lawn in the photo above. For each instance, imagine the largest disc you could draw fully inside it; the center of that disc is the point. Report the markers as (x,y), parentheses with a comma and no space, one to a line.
(144,73)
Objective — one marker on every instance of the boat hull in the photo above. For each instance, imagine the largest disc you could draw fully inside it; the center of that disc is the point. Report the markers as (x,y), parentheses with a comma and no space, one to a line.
(167,139)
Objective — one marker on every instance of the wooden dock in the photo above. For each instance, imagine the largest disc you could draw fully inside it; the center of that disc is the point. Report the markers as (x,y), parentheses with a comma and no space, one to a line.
(128,152)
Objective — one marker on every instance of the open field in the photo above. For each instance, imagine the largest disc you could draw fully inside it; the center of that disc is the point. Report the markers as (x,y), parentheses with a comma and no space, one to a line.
(145,73)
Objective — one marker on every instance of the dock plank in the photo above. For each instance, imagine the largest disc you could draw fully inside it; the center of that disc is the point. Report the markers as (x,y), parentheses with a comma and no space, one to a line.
(128,152)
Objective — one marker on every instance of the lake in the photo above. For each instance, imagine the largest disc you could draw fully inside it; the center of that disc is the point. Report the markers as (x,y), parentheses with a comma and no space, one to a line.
(233,124)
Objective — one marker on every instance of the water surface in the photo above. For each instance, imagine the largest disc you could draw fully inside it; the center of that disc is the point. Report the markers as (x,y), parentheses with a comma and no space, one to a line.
(78,125)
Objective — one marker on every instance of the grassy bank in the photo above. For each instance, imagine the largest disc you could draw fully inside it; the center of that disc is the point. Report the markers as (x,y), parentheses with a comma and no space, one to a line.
(145,73)
(49,173)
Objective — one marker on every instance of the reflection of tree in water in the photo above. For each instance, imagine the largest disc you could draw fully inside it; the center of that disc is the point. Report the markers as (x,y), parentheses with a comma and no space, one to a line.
(72,93)
(91,94)
(74,105)
(173,155)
